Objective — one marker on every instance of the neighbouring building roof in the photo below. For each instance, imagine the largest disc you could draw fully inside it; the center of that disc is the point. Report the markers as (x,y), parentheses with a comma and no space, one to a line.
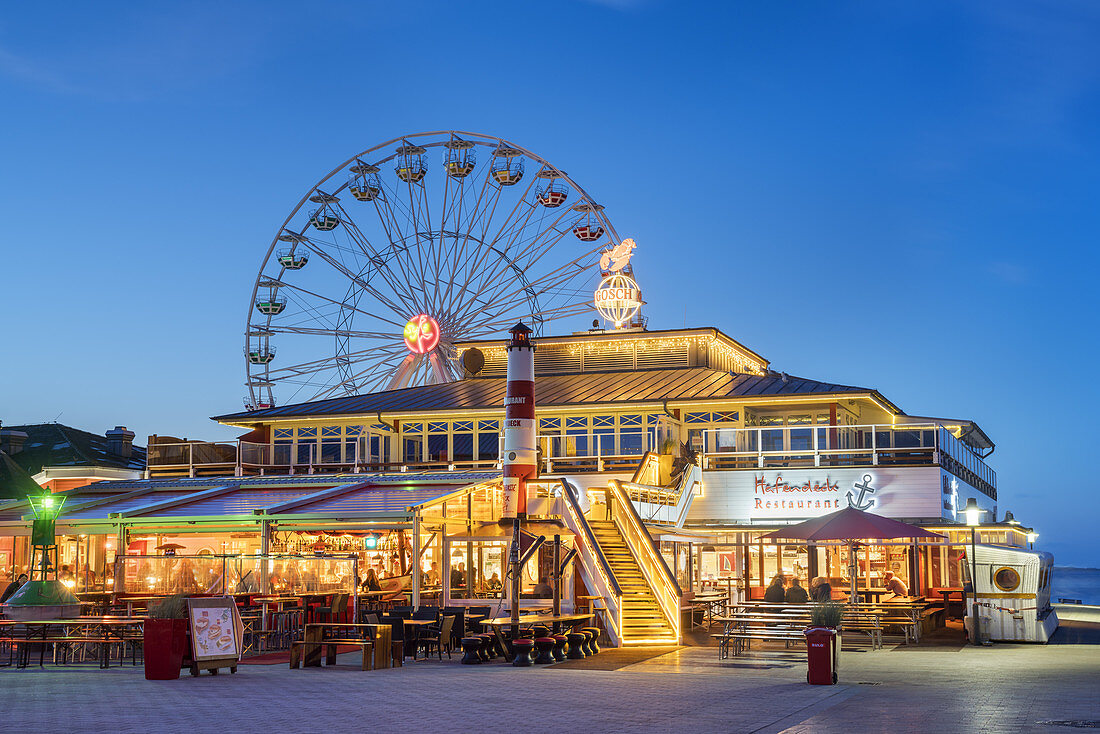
(15,482)
(57,445)
(640,386)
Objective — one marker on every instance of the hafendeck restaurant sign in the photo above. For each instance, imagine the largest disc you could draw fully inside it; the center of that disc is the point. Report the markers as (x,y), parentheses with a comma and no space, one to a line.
(799,493)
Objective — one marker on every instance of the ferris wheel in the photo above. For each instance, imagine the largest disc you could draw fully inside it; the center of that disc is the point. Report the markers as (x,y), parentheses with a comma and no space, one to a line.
(407,248)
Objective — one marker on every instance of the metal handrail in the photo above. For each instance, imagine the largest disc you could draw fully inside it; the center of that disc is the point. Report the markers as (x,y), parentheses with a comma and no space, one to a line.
(575,512)
(666,588)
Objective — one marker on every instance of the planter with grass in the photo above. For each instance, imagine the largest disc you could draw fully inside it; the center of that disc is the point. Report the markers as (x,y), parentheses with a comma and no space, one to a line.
(165,638)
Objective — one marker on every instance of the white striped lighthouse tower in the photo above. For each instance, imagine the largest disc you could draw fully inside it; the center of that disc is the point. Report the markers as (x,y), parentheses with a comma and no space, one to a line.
(520,449)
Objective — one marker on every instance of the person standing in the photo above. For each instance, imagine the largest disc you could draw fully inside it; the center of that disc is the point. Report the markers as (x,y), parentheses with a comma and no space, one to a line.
(13,587)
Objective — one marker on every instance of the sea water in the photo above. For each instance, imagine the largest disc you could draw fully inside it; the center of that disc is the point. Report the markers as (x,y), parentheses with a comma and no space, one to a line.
(1070,582)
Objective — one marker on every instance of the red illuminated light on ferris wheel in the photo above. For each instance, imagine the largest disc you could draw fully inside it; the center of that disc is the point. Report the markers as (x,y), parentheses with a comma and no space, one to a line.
(421,334)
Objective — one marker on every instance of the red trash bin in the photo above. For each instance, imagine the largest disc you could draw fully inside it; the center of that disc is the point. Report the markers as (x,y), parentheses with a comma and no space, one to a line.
(820,650)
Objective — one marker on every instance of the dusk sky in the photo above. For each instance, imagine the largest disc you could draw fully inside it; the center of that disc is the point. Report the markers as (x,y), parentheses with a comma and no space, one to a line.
(886,194)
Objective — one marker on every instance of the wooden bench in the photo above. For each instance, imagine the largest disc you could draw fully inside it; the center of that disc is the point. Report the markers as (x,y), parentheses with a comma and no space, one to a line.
(297,647)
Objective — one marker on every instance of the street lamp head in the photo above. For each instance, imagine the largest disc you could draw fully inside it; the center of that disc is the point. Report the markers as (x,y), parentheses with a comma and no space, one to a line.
(1032,537)
(1009,519)
(973,512)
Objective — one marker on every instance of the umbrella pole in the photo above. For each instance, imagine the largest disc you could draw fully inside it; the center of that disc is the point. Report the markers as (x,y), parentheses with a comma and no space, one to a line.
(853,571)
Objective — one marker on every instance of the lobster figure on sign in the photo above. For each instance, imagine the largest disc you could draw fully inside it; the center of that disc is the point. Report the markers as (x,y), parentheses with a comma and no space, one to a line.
(618,257)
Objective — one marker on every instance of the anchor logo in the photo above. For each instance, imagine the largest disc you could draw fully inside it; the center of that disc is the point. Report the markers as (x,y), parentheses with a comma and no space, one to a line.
(861,503)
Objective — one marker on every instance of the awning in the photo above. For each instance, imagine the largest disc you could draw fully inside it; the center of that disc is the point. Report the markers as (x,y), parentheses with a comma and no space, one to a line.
(490,531)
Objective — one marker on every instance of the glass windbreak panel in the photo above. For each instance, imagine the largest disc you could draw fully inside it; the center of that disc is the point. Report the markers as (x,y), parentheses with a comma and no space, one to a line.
(306,452)
(577,443)
(771,439)
(281,452)
(631,442)
(488,446)
(463,447)
(437,447)
(802,439)
(331,450)
(604,441)
(725,439)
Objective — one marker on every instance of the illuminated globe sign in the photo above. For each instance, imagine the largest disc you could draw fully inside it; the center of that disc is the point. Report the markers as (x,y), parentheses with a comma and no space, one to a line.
(421,334)
(618,298)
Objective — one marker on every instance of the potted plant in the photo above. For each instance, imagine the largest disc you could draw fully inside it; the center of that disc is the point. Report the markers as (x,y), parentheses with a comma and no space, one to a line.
(165,638)
(824,630)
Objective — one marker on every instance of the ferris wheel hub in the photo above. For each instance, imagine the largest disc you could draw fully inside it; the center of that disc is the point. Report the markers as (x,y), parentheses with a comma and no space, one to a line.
(421,334)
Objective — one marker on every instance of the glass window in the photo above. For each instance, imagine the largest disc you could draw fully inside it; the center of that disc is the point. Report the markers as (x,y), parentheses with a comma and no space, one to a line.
(462,426)
(353,430)
(329,431)
(284,433)
(310,432)
(488,446)
(576,422)
(630,420)
(493,426)
(726,417)
(437,427)
(413,448)
(697,418)
(603,420)
(437,446)
(412,428)
(549,424)
(463,446)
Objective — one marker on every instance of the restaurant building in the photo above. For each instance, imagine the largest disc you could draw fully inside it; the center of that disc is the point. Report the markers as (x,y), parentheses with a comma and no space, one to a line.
(712,446)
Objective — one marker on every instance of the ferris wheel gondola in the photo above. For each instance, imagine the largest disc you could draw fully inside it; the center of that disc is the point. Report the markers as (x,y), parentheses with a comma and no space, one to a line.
(402,266)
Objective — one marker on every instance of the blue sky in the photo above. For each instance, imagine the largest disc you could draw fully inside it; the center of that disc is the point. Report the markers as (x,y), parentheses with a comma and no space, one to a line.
(897,195)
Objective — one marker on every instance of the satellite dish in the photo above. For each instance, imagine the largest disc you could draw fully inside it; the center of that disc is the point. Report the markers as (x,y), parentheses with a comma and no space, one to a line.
(473,361)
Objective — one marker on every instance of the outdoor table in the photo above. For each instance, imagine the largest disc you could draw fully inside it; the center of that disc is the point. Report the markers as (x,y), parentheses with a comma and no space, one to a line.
(278,601)
(872,595)
(39,630)
(315,633)
(555,619)
(415,625)
(708,602)
(131,600)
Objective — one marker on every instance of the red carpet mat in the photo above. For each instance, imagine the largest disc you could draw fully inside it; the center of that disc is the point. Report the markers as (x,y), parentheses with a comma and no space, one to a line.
(282,657)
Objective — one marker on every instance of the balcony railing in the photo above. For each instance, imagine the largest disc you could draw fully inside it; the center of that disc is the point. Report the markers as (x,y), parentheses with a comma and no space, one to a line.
(866,445)
(594,451)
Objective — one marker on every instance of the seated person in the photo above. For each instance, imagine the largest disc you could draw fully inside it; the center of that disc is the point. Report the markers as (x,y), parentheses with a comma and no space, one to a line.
(795,593)
(775,592)
(543,590)
(894,584)
(820,589)
(493,584)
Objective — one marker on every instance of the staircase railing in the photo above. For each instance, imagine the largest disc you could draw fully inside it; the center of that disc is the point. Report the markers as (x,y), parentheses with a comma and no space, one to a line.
(657,574)
(663,505)
(601,580)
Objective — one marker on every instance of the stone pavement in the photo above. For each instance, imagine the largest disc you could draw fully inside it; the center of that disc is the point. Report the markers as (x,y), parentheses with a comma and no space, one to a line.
(954,689)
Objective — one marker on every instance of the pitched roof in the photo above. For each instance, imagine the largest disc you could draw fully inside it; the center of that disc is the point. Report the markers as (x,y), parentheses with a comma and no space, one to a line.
(15,482)
(54,444)
(641,386)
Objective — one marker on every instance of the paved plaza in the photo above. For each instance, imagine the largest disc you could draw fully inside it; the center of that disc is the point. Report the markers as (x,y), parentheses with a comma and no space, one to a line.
(1005,688)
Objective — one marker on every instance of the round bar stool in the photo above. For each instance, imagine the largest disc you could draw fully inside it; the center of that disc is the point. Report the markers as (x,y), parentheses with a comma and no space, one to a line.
(488,645)
(593,643)
(522,647)
(546,650)
(540,630)
(560,643)
(483,651)
(470,647)
(576,646)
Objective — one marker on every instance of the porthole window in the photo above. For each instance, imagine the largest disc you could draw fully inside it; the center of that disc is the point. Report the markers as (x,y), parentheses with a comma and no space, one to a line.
(1006,579)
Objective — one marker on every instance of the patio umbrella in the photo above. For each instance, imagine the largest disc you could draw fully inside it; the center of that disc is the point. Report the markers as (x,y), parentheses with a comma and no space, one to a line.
(850,525)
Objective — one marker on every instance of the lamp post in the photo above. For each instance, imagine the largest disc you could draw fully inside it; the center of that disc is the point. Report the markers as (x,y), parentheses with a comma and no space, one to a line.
(973,518)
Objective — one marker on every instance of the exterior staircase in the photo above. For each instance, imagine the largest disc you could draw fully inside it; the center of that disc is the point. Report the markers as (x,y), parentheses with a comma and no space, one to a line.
(643,622)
